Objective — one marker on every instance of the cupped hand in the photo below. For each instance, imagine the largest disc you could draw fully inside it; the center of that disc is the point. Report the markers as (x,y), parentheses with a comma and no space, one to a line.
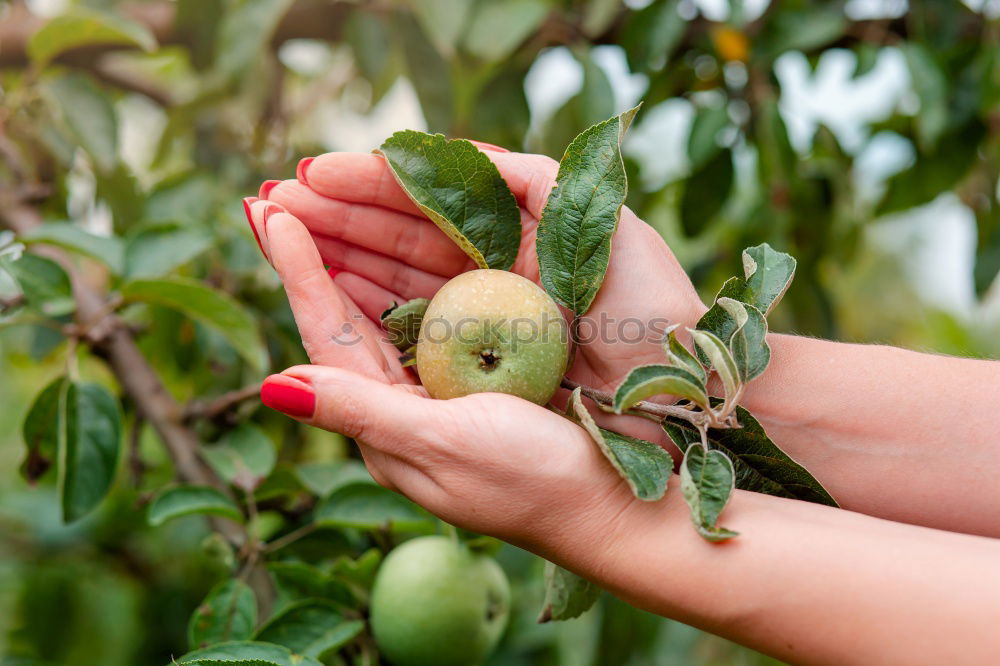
(382,249)
(490,463)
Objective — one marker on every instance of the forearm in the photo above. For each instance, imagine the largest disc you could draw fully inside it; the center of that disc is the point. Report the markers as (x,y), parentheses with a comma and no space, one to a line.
(890,432)
(805,583)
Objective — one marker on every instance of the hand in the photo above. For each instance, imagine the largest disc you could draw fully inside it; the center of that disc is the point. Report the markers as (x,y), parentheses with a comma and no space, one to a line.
(383,249)
(490,463)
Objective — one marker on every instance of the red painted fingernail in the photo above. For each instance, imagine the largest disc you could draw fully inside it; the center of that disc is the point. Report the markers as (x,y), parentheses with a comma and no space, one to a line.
(490,146)
(288,395)
(266,187)
(269,211)
(300,170)
(333,272)
(247,202)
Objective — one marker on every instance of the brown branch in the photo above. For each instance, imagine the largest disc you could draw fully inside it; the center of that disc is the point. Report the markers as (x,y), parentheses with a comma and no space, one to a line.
(644,407)
(213,408)
(137,378)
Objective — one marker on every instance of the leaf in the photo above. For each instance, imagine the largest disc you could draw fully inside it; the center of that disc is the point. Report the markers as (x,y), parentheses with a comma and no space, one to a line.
(593,104)
(178,501)
(208,306)
(760,465)
(931,85)
(296,581)
(228,613)
(244,33)
(651,34)
(645,466)
(363,505)
(707,482)
(45,284)
(85,27)
(680,356)
(247,651)
(106,249)
(566,595)
(90,444)
(424,65)
(402,322)
(244,457)
(581,215)
(720,357)
(461,191)
(705,192)
(703,143)
(312,628)
(443,21)
(749,341)
(89,115)
(322,478)
(41,431)
(497,28)
(649,380)
(801,29)
(155,251)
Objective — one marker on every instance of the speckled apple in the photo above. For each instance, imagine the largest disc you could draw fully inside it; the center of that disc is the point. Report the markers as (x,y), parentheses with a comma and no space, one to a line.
(492,331)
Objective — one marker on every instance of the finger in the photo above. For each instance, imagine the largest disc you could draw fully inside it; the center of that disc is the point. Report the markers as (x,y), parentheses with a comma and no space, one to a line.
(333,330)
(530,178)
(383,230)
(388,273)
(358,177)
(371,298)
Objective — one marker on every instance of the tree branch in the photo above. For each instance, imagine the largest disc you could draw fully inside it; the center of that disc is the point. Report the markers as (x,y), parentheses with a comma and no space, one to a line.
(213,408)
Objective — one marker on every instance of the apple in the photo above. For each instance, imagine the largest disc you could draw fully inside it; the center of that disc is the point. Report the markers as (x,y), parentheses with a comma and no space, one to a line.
(435,602)
(492,331)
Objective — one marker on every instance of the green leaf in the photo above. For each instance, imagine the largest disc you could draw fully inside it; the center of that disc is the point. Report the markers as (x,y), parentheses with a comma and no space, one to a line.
(651,34)
(497,28)
(703,142)
(228,613)
(207,306)
(649,380)
(363,505)
(801,29)
(296,581)
(645,466)
(322,478)
(248,651)
(90,444)
(681,356)
(760,465)
(461,191)
(89,115)
(581,215)
(244,34)
(593,104)
(706,192)
(749,341)
(244,457)
(443,21)
(41,431)
(566,595)
(106,249)
(45,285)
(155,251)
(867,57)
(931,85)
(424,65)
(178,501)
(313,628)
(707,482)
(720,357)
(402,322)
(360,571)
(86,27)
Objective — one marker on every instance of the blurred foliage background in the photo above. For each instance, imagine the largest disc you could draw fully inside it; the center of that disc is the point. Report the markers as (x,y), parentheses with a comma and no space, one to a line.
(861,136)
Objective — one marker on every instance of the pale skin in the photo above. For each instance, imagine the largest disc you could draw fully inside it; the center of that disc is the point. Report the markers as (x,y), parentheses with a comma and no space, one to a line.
(894,435)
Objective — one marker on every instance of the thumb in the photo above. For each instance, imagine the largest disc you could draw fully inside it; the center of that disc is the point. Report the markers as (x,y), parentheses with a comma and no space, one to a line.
(383,416)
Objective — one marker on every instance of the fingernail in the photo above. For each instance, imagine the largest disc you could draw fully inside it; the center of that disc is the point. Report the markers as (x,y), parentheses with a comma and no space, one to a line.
(269,211)
(333,272)
(289,396)
(247,202)
(490,146)
(266,187)
(300,170)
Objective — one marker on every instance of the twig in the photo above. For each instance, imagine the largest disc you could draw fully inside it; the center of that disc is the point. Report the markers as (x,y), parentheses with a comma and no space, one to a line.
(136,467)
(643,408)
(213,408)
(291,537)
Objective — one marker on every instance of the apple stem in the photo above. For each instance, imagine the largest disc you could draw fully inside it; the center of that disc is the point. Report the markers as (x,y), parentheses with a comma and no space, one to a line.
(645,408)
